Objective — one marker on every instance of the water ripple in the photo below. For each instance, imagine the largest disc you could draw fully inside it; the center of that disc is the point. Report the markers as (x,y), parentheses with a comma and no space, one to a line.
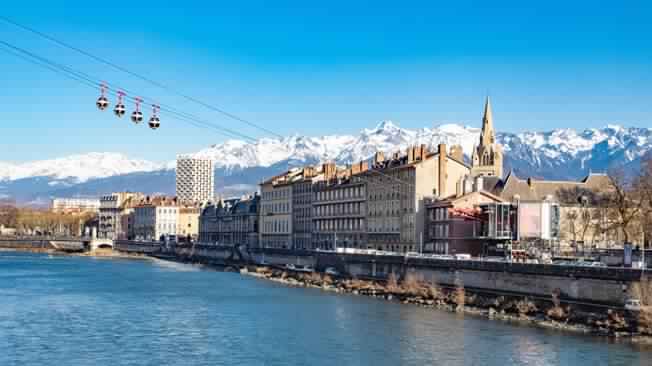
(77,311)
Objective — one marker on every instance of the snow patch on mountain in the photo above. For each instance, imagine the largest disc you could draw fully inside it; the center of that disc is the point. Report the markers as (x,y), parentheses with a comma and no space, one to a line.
(77,168)
(235,154)
(561,153)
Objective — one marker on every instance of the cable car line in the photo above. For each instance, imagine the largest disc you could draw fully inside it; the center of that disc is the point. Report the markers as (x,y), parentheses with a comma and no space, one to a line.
(120,93)
(62,70)
(139,76)
(93,83)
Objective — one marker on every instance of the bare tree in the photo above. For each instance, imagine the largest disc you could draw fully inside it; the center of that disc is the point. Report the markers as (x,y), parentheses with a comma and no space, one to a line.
(585,221)
(624,201)
(645,191)
(8,215)
(571,220)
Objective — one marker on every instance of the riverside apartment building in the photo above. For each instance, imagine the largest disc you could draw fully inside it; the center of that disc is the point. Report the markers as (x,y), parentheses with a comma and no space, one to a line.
(397,190)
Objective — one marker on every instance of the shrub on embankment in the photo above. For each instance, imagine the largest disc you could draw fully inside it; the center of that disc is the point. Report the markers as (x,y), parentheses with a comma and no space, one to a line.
(412,289)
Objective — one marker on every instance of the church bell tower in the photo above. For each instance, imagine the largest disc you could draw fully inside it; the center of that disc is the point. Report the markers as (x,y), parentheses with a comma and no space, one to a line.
(488,155)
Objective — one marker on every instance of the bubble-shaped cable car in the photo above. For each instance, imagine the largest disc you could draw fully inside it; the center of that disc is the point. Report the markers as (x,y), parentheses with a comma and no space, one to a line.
(137,115)
(154,121)
(120,109)
(102,102)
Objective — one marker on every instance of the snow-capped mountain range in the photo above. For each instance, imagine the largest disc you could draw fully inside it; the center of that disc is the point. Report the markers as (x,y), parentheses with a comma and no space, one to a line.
(557,154)
(79,168)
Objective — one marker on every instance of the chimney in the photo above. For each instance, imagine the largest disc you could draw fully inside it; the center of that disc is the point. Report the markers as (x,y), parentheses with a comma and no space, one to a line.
(329,170)
(379,157)
(364,166)
(308,172)
(457,153)
(423,151)
(442,171)
(410,154)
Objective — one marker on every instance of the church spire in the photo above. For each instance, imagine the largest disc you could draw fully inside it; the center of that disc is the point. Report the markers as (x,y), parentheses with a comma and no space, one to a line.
(487,137)
(488,155)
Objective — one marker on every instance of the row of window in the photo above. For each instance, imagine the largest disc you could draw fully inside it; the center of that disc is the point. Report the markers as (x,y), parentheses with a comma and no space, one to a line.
(276,226)
(339,225)
(341,193)
(276,194)
(439,213)
(352,208)
(240,226)
(439,231)
(279,207)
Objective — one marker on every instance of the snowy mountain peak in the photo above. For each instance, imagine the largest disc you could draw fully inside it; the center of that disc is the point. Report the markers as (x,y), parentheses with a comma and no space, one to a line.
(561,153)
(78,168)
(386,126)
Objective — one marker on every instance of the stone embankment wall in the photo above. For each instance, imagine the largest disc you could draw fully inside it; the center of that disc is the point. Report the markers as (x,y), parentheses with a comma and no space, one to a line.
(593,285)
(136,247)
(22,244)
(606,286)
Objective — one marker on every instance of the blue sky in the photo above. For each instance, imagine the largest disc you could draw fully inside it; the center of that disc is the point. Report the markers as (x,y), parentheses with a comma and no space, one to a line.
(335,67)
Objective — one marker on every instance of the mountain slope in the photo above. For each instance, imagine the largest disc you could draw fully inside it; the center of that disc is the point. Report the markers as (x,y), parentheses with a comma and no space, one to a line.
(240,166)
(77,168)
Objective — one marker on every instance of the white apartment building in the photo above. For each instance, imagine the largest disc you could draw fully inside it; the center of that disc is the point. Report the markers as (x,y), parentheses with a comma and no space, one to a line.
(75,205)
(194,179)
(156,217)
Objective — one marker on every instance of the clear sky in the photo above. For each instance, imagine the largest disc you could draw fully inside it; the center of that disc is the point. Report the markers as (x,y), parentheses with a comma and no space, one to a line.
(333,67)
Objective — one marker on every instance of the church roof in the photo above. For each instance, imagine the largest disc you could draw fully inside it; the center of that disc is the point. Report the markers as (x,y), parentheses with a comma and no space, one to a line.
(533,189)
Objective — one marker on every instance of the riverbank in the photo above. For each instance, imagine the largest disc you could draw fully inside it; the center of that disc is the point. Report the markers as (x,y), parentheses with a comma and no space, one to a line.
(111,254)
(28,250)
(554,314)
(551,313)
(97,253)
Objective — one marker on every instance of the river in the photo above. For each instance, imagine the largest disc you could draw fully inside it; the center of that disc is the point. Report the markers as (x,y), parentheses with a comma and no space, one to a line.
(69,311)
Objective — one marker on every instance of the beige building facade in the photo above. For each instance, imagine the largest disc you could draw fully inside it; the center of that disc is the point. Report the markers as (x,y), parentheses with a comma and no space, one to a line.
(276,211)
(116,215)
(302,212)
(339,208)
(188,222)
(155,218)
(75,205)
(397,189)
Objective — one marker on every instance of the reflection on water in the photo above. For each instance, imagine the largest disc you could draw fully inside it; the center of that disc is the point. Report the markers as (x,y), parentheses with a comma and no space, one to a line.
(77,311)
(174,266)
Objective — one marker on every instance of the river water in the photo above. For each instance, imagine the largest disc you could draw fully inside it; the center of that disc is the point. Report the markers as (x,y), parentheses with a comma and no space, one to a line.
(69,311)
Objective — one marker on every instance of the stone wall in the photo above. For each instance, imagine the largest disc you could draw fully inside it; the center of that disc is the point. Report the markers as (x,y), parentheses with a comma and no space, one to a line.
(25,244)
(597,289)
(606,286)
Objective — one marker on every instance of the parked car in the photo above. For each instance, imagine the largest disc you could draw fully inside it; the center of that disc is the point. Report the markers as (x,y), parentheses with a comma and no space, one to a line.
(598,264)
(463,257)
(633,305)
(494,259)
(332,271)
